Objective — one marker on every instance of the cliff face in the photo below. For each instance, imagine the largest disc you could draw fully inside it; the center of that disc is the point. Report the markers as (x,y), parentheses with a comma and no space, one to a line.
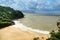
(8,14)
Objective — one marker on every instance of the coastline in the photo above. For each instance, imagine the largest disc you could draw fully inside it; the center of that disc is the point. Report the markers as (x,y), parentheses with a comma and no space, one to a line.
(12,33)
(19,25)
(22,32)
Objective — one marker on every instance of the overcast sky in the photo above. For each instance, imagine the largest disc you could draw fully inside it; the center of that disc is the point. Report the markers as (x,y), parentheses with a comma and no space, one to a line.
(47,6)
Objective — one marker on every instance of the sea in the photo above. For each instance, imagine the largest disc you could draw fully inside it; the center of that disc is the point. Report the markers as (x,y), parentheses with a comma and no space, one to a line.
(41,22)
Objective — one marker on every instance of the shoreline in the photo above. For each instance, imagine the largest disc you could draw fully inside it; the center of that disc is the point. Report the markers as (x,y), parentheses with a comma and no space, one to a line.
(19,25)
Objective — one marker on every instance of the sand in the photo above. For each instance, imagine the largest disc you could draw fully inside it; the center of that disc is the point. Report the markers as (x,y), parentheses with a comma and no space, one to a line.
(21,32)
(12,33)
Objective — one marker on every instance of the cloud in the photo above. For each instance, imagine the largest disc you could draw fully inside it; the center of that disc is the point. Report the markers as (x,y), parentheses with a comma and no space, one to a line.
(42,5)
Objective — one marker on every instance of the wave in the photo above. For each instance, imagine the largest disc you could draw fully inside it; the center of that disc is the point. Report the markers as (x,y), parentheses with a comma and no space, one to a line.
(19,25)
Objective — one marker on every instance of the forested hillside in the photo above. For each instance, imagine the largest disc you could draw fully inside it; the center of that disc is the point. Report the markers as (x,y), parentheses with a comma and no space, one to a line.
(8,14)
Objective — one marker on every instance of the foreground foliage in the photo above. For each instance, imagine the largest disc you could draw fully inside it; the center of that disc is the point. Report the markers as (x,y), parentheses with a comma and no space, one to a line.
(36,38)
(54,36)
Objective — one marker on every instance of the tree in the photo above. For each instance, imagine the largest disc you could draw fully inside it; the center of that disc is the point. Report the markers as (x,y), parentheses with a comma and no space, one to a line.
(8,14)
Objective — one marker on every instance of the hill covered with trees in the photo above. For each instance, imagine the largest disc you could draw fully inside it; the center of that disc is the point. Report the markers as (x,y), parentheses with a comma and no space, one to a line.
(8,14)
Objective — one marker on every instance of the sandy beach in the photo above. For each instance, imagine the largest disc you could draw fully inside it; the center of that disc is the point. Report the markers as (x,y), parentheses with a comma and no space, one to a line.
(20,32)
(11,33)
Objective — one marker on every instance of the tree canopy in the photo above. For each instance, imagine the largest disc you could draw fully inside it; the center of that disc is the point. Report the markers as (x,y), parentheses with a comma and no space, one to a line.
(8,14)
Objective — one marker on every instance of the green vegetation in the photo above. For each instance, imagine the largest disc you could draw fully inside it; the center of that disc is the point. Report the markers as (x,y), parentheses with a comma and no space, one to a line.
(36,38)
(8,14)
(54,36)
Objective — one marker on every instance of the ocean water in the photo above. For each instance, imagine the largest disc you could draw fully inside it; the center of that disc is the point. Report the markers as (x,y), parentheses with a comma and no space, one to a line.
(42,22)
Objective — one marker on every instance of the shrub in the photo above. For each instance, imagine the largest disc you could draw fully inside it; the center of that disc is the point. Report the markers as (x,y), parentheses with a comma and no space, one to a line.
(54,36)
(36,38)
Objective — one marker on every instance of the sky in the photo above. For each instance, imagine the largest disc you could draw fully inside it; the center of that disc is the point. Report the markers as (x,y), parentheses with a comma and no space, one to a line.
(36,6)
